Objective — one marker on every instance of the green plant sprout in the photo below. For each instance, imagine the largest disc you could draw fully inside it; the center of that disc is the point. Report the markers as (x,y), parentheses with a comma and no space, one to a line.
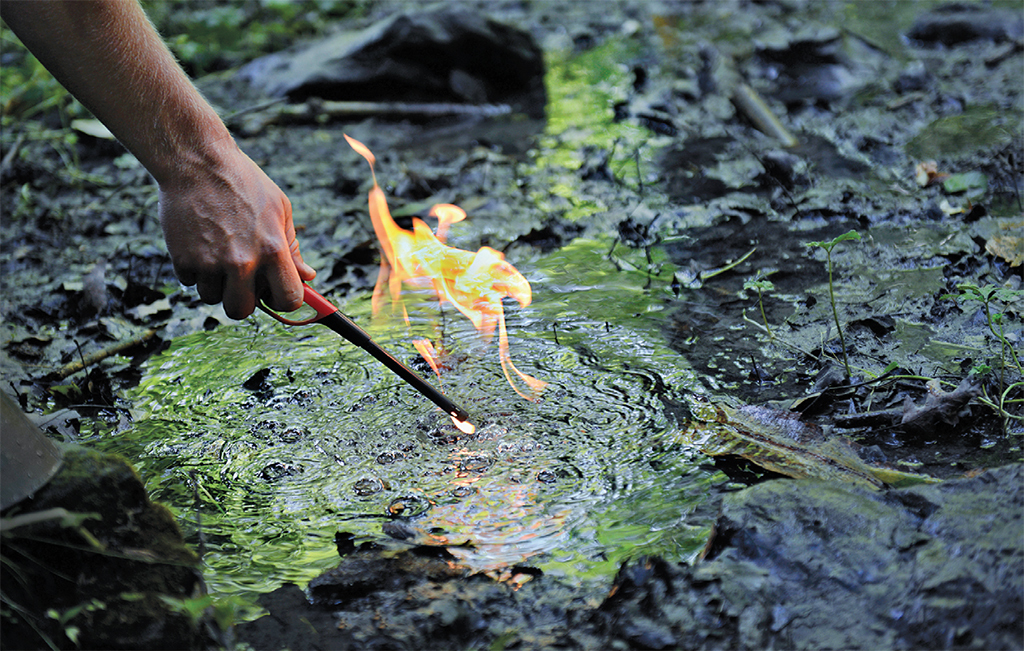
(9,531)
(761,285)
(71,631)
(828,246)
(988,296)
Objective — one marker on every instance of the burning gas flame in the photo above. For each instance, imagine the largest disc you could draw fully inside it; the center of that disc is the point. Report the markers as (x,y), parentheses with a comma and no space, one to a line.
(475,283)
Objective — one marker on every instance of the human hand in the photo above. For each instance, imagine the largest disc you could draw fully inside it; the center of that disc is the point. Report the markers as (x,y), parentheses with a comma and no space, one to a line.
(229,231)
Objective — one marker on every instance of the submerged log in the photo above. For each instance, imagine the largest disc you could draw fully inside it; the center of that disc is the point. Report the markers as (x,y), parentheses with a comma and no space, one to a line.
(316,111)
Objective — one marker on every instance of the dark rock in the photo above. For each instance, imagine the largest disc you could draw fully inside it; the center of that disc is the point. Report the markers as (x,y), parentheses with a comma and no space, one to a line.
(816,62)
(278,629)
(385,599)
(914,78)
(109,574)
(810,565)
(441,55)
(367,571)
(781,167)
(960,23)
(259,384)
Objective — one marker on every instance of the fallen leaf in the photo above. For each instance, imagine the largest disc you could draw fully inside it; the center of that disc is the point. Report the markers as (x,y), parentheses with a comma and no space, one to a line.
(927,173)
(973,183)
(780,441)
(940,408)
(148,311)
(1007,247)
(949,208)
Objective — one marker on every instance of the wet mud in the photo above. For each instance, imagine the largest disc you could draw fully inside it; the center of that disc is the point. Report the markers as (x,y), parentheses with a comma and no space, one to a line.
(657,211)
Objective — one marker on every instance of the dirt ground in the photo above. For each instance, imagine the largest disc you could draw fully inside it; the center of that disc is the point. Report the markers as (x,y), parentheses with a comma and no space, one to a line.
(915,144)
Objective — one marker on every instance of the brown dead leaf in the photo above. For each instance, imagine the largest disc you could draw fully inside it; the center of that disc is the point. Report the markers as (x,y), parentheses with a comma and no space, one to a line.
(927,173)
(1009,247)
(782,442)
(940,408)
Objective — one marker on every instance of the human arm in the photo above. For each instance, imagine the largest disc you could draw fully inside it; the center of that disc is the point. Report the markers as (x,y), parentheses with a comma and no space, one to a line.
(228,227)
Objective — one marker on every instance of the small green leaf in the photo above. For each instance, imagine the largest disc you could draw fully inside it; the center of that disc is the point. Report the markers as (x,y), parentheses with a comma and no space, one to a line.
(980,369)
(759,285)
(828,246)
(973,183)
(850,235)
(1009,295)
(192,607)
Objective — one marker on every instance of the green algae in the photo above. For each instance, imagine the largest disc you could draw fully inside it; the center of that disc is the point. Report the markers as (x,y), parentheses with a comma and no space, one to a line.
(976,128)
(582,91)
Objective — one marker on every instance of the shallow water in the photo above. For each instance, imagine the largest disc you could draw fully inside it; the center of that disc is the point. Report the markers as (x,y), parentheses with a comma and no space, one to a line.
(330,441)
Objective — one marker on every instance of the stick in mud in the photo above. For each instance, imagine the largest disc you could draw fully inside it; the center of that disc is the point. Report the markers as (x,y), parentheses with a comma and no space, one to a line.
(100,355)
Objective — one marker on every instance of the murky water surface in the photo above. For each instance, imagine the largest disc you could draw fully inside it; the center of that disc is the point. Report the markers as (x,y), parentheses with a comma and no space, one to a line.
(276,438)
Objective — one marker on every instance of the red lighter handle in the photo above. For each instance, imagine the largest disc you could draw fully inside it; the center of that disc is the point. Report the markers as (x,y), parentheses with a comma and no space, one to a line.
(311,298)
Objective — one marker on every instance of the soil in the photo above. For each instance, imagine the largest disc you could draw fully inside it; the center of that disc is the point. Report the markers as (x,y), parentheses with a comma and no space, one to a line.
(115,575)
(914,143)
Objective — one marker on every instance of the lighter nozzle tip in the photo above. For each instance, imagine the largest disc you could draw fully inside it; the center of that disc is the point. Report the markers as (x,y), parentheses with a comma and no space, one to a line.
(463,424)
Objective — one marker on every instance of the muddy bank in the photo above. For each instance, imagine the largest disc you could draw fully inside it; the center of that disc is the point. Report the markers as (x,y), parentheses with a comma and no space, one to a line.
(90,562)
(792,564)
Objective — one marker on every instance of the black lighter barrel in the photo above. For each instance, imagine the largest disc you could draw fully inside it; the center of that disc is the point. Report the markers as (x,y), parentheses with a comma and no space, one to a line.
(347,328)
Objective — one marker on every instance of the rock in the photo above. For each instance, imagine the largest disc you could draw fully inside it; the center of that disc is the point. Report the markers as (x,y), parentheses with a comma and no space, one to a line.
(817,63)
(954,24)
(107,569)
(289,623)
(369,570)
(812,565)
(793,565)
(914,78)
(441,55)
(412,598)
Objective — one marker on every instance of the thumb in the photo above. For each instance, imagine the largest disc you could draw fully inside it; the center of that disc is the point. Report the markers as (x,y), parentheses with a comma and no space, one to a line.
(306,272)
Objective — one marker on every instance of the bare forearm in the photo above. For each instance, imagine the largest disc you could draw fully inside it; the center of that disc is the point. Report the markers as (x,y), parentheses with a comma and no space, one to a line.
(106,53)
(228,227)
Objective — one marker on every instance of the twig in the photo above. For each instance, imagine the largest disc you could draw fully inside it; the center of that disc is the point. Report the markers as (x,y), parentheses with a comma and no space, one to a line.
(884,417)
(102,354)
(428,109)
(315,111)
(728,266)
(11,153)
(748,102)
(256,108)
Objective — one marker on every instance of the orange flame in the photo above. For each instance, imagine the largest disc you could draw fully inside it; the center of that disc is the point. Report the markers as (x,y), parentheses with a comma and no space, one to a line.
(464,425)
(475,283)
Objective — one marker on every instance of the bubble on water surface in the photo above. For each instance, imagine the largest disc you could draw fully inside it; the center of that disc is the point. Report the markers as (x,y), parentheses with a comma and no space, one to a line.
(408,506)
(367,486)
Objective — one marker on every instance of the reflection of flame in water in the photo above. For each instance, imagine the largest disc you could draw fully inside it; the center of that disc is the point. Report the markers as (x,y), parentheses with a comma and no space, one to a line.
(475,283)
(503,517)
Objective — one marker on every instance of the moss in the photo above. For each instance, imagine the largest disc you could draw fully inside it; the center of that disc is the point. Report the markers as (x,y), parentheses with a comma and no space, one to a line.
(99,584)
